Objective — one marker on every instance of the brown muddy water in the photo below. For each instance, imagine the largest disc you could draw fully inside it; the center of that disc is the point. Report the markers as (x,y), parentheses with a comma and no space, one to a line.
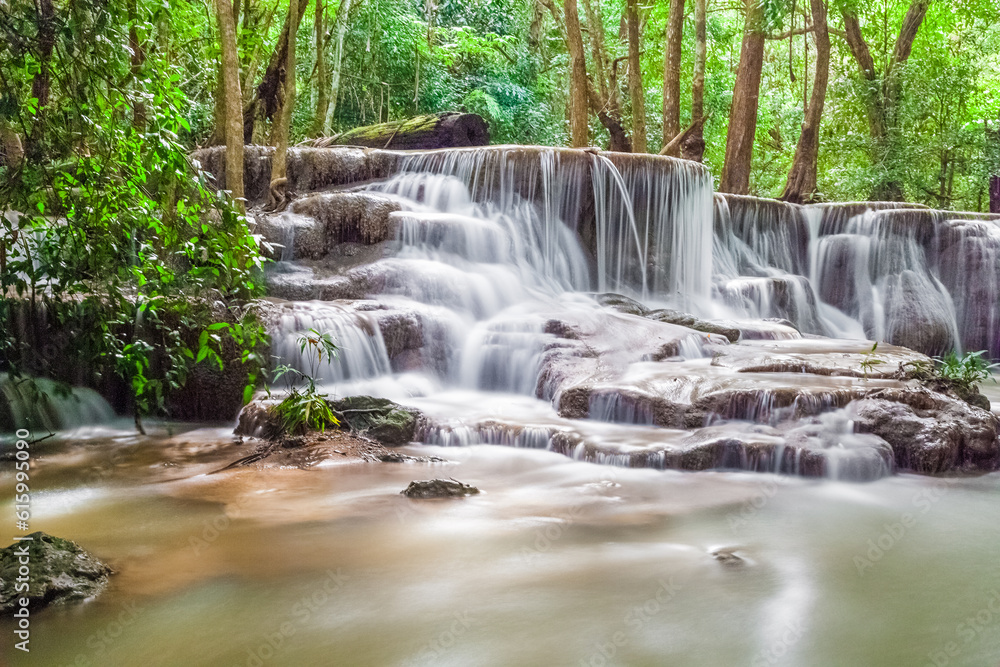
(558,562)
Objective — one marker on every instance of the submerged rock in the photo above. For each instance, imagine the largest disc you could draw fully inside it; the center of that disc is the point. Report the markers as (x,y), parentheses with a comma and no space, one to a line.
(60,571)
(439,488)
(728,557)
(378,418)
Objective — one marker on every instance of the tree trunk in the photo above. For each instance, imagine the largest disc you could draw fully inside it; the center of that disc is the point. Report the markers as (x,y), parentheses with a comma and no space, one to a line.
(882,94)
(801,183)
(693,147)
(279,164)
(230,93)
(137,60)
(605,98)
(598,52)
(672,71)
(445,130)
(994,194)
(322,75)
(635,87)
(735,177)
(267,101)
(45,21)
(254,64)
(339,33)
(578,120)
(611,119)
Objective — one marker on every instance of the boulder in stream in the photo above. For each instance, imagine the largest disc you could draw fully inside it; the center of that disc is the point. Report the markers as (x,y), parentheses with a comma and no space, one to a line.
(60,572)
(439,488)
(378,418)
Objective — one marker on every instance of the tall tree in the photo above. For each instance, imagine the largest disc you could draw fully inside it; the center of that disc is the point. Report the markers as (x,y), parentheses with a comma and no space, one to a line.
(318,127)
(743,112)
(233,106)
(45,23)
(801,184)
(578,121)
(693,147)
(605,96)
(268,98)
(882,90)
(282,128)
(336,65)
(672,71)
(635,88)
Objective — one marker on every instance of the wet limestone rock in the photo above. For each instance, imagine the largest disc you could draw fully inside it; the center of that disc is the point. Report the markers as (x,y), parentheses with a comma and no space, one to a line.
(60,572)
(691,322)
(439,488)
(916,317)
(378,418)
(621,303)
(930,432)
(259,419)
(356,217)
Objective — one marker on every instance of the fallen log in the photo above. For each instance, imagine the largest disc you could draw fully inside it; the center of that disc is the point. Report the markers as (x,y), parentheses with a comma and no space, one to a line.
(445,130)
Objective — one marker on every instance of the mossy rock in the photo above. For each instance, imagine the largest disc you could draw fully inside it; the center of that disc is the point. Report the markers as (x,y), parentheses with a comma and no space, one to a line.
(60,572)
(378,418)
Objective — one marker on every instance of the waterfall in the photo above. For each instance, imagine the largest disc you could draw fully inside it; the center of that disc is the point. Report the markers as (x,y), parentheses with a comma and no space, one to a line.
(910,276)
(461,281)
(42,405)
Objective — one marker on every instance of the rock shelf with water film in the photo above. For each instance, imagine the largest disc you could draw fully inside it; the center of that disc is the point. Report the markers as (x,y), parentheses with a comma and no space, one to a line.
(611,308)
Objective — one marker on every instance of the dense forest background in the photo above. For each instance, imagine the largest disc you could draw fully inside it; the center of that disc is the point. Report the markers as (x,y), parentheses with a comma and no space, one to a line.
(111,231)
(929,71)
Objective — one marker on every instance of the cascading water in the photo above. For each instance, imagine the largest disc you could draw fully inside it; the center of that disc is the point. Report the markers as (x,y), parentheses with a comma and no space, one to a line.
(43,405)
(473,306)
(923,279)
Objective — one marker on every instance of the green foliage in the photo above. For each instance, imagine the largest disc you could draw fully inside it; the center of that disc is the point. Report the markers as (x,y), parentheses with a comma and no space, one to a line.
(305,407)
(967,371)
(115,231)
(869,360)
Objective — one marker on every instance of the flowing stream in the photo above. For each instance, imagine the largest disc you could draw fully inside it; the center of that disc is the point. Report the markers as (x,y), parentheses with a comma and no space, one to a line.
(558,563)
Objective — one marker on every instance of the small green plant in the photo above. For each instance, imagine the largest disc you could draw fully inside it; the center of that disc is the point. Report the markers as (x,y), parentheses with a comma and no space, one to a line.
(919,369)
(967,371)
(305,407)
(869,360)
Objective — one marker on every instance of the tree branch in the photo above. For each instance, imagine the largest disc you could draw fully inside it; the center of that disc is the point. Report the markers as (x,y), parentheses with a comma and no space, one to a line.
(673,147)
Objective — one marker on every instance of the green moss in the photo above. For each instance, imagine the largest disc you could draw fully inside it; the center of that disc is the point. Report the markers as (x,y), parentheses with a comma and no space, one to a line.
(381,419)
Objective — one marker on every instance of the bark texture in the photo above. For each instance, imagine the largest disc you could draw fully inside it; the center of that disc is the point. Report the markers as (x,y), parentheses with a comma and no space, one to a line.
(318,127)
(635,88)
(801,184)
(735,177)
(279,164)
(268,100)
(233,107)
(578,121)
(672,72)
(693,146)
